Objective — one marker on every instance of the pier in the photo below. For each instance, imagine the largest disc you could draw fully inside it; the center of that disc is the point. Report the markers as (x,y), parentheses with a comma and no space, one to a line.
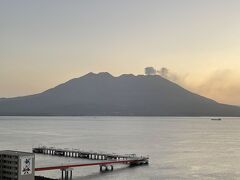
(75,153)
(106,163)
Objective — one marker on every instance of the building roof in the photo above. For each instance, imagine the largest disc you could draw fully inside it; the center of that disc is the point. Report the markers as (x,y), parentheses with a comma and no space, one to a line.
(16,153)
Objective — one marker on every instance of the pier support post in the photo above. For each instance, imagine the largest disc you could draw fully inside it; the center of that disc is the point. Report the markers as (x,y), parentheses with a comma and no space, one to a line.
(104,168)
(66,174)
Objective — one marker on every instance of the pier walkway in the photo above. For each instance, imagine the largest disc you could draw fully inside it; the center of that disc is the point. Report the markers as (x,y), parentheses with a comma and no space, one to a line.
(76,153)
(108,159)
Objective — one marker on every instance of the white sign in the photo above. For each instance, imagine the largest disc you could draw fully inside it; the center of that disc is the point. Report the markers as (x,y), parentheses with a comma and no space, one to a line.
(26,165)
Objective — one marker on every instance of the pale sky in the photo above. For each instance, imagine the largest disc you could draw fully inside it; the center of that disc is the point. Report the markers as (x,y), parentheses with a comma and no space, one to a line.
(47,42)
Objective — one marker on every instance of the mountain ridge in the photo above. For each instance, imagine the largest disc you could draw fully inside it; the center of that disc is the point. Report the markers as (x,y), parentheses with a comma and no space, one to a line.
(126,95)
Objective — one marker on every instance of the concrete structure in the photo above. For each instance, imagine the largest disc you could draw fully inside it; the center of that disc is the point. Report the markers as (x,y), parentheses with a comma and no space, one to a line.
(67,174)
(76,153)
(104,166)
(106,163)
(16,165)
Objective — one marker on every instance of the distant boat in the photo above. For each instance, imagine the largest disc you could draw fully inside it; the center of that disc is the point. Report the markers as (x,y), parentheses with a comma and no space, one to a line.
(216,119)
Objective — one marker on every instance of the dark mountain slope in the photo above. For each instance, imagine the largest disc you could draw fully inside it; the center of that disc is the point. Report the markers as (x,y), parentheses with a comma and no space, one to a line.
(103,94)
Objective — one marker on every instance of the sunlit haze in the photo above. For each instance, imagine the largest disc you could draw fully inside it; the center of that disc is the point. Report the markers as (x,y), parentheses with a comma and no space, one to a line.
(45,43)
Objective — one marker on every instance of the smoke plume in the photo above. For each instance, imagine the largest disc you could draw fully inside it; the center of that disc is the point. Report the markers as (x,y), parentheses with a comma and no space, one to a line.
(164,72)
(222,85)
(150,71)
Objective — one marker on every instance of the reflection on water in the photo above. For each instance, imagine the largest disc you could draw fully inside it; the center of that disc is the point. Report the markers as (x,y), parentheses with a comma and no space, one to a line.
(179,148)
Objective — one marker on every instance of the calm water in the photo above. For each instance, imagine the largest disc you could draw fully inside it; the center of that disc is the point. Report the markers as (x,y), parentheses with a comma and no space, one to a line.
(179,148)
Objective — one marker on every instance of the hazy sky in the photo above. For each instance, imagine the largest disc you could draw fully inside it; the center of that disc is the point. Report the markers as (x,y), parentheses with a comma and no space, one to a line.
(46,42)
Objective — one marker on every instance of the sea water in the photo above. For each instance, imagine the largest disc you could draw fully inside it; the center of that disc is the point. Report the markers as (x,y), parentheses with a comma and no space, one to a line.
(178,147)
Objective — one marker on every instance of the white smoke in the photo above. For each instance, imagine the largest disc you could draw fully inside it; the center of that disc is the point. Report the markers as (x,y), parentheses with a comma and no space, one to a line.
(150,71)
(221,85)
(164,72)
